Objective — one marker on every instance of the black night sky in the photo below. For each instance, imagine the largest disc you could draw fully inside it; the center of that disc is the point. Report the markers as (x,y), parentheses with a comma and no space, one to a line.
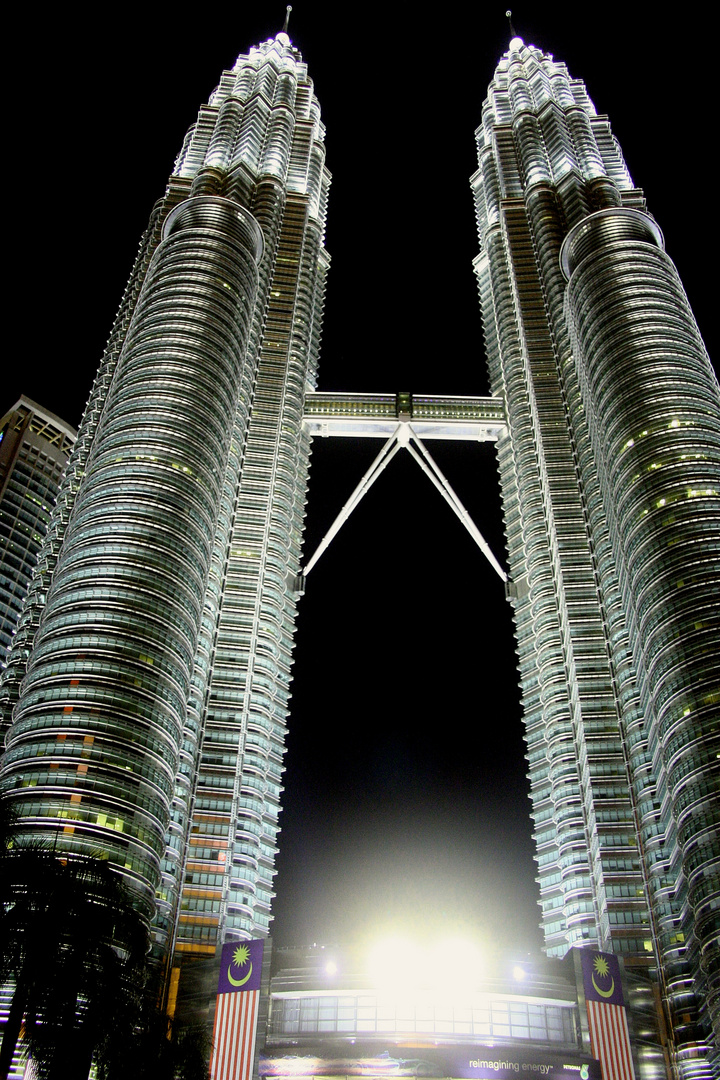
(405,791)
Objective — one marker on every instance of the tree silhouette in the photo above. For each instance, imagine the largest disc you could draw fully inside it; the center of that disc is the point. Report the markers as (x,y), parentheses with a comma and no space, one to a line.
(75,948)
(157,1050)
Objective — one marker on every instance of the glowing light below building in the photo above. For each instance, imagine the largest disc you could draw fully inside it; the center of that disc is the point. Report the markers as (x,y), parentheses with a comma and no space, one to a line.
(449,966)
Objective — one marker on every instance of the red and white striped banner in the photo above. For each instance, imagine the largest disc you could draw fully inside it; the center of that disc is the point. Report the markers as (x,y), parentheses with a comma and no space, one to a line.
(607,1019)
(234,1036)
(610,1040)
(236,1011)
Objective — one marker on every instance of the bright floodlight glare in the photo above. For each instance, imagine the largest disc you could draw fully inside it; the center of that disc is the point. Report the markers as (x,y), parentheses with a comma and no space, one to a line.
(457,963)
(518,973)
(516,43)
(331,968)
(393,963)
(447,967)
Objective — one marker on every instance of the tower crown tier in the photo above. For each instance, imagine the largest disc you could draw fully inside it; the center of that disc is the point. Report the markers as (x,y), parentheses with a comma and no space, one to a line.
(603,227)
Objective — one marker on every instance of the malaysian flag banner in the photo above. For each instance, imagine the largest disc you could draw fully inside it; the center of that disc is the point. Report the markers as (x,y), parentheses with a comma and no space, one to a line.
(607,1019)
(236,1011)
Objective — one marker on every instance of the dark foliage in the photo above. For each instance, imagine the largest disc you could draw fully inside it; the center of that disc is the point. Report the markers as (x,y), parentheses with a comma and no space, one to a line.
(76,949)
(156,1051)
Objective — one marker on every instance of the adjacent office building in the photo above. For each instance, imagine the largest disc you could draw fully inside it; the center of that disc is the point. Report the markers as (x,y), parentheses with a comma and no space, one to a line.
(610,478)
(149,703)
(34,447)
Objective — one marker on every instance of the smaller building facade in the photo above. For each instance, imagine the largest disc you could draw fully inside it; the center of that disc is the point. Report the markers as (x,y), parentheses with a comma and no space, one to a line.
(34,447)
(328,1017)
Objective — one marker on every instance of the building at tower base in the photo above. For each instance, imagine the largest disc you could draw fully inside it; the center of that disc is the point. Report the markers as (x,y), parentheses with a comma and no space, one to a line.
(332,1014)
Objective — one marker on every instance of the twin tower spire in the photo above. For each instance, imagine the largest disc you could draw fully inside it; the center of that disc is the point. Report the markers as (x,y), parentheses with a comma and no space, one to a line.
(146,695)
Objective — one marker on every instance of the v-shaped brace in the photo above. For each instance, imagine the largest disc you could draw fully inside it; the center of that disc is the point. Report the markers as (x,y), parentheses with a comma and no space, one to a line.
(405,436)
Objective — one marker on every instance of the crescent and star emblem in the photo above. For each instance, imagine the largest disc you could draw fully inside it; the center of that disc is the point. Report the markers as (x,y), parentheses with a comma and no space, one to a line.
(601,966)
(241,982)
(240,958)
(604,993)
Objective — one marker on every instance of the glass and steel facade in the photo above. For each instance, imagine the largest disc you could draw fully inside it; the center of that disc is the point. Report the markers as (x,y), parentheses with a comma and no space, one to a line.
(610,475)
(368,1013)
(148,684)
(308,1001)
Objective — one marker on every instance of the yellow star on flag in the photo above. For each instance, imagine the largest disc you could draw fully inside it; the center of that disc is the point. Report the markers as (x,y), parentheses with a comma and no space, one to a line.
(601,966)
(240,956)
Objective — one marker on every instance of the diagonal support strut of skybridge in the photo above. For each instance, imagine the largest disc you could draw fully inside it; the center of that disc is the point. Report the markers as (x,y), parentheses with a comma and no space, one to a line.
(402,419)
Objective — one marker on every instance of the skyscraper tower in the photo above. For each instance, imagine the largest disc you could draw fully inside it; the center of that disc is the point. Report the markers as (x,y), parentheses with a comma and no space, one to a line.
(150,672)
(610,477)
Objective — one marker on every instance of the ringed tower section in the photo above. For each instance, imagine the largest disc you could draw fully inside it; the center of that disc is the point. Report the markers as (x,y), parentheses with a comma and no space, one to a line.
(145,699)
(610,476)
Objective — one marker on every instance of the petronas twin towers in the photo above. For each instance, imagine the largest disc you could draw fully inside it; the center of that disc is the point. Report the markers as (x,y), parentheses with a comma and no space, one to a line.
(146,695)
